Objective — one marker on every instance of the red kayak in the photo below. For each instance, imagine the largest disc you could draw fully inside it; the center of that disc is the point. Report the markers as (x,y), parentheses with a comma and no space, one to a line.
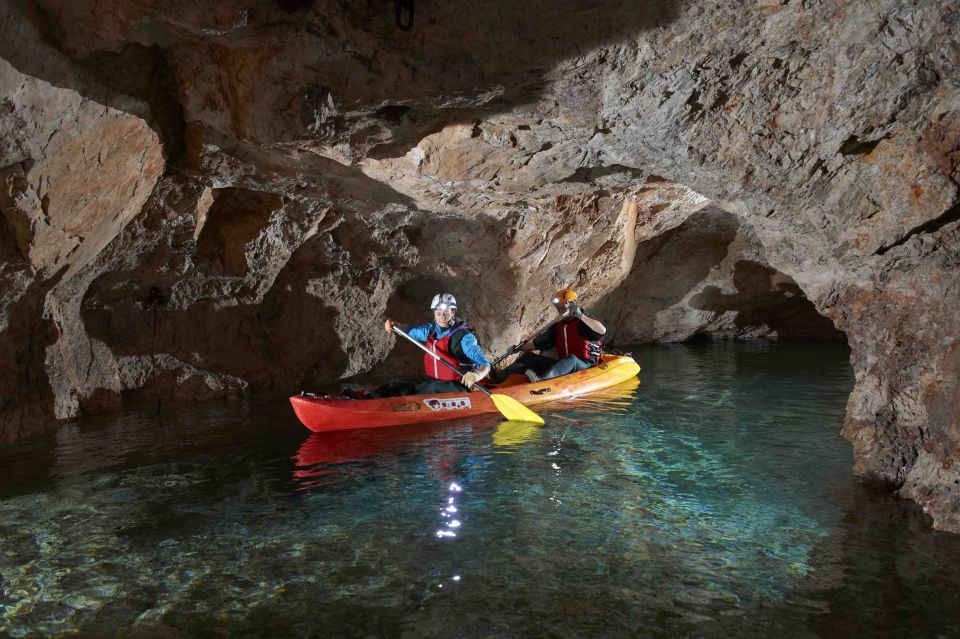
(329,412)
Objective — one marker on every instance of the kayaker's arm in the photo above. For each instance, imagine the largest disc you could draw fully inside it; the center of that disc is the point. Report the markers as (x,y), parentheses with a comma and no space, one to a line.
(471,349)
(472,377)
(422,332)
(592,323)
(419,333)
(388,325)
(542,342)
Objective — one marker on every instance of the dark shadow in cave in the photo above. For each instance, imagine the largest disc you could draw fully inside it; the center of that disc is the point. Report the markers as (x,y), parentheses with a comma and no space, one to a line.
(648,306)
(24,339)
(297,331)
(766,297)
(475,251)
(479,58)
(105,77)
(269,344)
(665,269)
(235,218)
(329,178)
(482,57)
(252,342)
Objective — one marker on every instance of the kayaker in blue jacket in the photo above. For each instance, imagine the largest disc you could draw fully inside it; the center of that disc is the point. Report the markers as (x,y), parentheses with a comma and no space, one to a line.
(452,339)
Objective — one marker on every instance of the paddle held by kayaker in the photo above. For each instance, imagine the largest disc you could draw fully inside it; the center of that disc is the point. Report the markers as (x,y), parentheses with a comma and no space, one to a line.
(452,339)
(576,338)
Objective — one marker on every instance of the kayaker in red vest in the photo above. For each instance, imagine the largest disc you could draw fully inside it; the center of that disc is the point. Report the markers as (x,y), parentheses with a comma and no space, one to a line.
(576,337)
(452,339)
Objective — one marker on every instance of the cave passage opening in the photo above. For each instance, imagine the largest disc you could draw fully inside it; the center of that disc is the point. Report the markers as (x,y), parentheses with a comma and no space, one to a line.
(709,278)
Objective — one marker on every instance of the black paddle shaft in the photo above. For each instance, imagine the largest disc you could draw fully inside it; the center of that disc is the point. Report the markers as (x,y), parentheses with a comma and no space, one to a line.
(400,331)
(522,342)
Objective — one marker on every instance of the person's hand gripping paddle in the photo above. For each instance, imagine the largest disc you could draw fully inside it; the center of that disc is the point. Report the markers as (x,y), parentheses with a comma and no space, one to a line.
(508,406)
(516,348)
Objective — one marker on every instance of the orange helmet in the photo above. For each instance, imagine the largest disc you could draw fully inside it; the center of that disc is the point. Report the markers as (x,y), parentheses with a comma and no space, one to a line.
(564,295)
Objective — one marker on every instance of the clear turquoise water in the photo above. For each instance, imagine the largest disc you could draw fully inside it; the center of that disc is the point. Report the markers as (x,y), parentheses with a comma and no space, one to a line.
(714,499)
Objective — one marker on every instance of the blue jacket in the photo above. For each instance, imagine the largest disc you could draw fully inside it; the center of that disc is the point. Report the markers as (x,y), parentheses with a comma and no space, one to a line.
(469,345)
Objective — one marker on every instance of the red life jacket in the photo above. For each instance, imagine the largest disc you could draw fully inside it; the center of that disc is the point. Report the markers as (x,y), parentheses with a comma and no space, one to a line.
(445,349)
(571,342)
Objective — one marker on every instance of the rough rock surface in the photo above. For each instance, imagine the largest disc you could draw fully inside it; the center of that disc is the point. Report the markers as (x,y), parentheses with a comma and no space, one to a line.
(284,174)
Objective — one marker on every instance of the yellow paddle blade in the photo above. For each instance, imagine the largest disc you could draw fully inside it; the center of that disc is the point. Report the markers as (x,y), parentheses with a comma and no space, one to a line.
(514,410)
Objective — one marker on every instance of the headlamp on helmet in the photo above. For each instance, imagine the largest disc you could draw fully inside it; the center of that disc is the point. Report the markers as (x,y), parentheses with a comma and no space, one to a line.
(443,301)
(564,296)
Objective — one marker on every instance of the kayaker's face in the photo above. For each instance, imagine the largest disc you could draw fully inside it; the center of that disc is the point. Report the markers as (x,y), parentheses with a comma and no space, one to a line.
(561,307)
(443,317)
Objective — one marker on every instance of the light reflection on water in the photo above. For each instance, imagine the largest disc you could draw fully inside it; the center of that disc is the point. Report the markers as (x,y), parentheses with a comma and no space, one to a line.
(712,498)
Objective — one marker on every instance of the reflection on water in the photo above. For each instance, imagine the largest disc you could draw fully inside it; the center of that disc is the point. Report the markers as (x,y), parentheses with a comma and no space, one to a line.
(321,453)
(615,399)
(712,499)
(511,434)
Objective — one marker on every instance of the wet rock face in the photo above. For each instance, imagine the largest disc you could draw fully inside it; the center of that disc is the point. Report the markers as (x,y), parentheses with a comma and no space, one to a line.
(283,175)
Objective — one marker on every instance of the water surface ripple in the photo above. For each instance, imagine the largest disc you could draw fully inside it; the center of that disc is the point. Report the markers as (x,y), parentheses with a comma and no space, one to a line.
(714,498)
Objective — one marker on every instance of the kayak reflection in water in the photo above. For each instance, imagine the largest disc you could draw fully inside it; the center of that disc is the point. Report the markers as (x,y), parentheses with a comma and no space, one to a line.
(453,340)
(576,337)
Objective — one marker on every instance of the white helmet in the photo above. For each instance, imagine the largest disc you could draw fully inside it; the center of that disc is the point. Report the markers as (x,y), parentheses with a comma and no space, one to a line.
(443,301)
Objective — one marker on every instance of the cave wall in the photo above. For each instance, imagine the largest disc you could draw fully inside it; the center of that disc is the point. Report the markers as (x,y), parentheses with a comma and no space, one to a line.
(289,173)
(708,276)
